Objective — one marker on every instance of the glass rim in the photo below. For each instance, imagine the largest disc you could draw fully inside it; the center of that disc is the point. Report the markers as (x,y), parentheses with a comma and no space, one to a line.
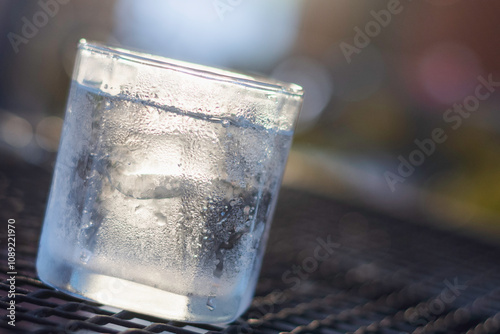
(208,72)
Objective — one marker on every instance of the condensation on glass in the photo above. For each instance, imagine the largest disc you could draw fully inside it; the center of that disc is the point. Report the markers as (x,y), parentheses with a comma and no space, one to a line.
(165,184)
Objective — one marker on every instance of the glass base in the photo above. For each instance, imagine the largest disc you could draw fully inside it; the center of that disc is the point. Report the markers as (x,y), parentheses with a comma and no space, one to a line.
(140,298)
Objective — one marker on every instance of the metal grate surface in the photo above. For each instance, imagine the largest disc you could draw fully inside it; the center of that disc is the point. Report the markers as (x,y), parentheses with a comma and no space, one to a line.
(329,268)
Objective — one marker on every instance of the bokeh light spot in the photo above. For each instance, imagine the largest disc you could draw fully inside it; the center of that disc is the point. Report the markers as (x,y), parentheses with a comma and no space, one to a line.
(16,131)
(448,72)
(48,132)
(315,78)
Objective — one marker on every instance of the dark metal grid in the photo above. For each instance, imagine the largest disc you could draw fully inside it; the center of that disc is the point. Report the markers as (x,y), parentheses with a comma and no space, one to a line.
(385,275)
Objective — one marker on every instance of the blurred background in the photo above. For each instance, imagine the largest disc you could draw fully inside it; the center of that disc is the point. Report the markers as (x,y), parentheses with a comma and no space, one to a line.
(401,107)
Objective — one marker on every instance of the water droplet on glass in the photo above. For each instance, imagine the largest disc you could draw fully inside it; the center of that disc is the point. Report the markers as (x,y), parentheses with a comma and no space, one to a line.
(107,105)
(211,303)
(85,256)
(161,220)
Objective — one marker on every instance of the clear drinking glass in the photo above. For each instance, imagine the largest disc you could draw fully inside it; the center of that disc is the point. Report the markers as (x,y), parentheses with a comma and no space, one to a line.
(165,184)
